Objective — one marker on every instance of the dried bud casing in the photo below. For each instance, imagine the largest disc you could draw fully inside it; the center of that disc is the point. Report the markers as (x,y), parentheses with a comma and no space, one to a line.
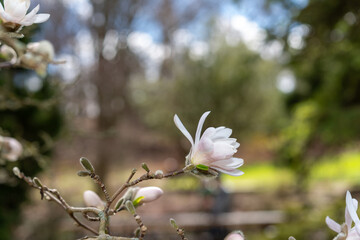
(173,223)
(83,173)
(119,204)
(130,207)
(87,165)
(37,182)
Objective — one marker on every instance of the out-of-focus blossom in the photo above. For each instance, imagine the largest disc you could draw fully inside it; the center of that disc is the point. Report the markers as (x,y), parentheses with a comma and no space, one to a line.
(146,194)
(13,13)
(91,199)
(37,57)
(10,148)
(8,54)
(346,231)
(213,150)
(237,235)
(43,48)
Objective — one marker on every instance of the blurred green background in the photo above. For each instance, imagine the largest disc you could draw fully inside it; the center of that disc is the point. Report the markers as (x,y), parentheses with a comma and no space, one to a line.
(283,74)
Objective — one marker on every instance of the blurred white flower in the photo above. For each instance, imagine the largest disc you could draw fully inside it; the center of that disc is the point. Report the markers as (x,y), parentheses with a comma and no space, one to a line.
(14,11)
(10,148)
(234,236)
(8,53)
(346,231)
(91,199)
(147,194)
(213,150)
(43,48)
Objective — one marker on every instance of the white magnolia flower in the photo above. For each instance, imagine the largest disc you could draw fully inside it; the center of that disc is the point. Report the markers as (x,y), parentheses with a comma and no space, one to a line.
(148,194)
(235,236)
(91,199)
(346,231)
(10,148)
(214,149)
(14,11)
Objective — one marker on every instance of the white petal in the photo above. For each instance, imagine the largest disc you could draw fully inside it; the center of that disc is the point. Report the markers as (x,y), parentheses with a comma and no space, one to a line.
(229,163)
(222,133)
(222,151)
(31,15)
(232,172)
(199,127)
(208,133)
(91,199)
(352,209)
(149,193)
(5,16)
(19,12)
(184,131)
(348,219)
(205,145)
(41,17)
(333,225)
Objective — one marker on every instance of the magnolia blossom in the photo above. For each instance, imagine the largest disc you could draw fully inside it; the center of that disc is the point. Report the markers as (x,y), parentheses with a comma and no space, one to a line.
(214,149)
(148,194)
(346,231)
(10,148)
(14,11)
(234,236)
(43,48)
(91,199)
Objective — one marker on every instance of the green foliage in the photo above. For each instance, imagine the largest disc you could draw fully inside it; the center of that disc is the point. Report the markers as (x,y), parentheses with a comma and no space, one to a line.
(32,117)
(233,82)
(328,68)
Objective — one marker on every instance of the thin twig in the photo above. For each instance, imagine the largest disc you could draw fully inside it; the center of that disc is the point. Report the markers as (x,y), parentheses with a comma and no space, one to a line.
(144,177)
(97,180)
(54,195)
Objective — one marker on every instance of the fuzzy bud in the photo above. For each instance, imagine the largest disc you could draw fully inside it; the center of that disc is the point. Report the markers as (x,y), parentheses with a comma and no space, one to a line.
(91,199)
(87,165)
(145,167)
(17,172)
(159,174)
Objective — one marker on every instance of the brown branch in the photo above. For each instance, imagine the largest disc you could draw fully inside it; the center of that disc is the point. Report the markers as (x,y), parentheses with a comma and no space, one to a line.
(97,180)
(54,195)
(144,177)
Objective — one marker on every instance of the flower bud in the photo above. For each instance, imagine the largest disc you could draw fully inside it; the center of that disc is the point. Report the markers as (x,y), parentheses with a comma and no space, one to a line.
(237,235)
(159,174)
(145,167)
(148,194)
(91,199)
(17,172)
(10,148)
(87,165)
